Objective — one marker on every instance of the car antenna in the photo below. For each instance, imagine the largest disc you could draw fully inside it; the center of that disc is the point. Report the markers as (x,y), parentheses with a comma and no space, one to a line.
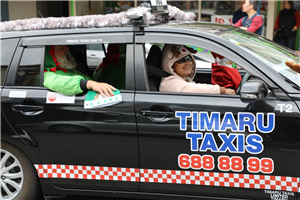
(40,14)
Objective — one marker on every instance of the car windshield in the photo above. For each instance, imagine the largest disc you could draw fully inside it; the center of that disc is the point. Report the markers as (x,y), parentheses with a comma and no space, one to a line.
(274,55)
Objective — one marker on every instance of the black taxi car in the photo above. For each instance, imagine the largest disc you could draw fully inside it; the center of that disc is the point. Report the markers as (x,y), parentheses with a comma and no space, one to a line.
(154,144)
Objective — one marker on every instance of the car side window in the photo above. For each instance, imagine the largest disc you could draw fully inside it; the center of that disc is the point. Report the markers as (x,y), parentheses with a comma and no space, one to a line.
(211,68)
(7,52)
(203,58)
(29,68)
(100,62)
(95,54)
(216,69)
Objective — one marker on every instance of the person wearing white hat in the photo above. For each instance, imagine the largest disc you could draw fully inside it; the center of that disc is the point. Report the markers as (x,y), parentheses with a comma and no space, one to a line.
(180,63)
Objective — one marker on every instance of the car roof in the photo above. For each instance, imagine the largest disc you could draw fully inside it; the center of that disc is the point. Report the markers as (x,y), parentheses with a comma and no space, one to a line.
(196,25)
(202,29)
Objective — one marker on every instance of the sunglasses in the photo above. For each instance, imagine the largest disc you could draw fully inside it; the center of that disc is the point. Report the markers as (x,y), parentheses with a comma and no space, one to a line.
(184,59)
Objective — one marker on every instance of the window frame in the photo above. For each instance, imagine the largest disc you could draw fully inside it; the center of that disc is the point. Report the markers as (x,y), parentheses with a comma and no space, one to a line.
(12,43)
(42,41)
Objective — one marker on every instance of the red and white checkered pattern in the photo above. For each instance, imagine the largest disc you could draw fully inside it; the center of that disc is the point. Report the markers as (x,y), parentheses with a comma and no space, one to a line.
(88,172)
(220,179)
(170,176)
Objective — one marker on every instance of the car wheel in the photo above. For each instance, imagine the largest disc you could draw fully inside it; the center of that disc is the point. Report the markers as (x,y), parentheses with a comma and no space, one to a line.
(19,179)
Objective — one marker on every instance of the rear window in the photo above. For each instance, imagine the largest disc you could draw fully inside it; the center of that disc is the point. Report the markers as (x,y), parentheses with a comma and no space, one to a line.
(7,49)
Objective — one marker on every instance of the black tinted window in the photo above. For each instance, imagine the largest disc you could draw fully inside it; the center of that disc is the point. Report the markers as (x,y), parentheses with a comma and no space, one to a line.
(7,51)
(29,68)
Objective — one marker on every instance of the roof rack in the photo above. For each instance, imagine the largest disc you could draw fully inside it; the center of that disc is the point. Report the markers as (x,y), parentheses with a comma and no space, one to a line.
(137,22)
(138,18)
(158,8)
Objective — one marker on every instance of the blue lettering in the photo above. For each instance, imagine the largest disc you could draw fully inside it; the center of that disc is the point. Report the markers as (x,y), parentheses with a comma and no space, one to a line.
(241,143)
(260,122)
(255,145)
(208,143)
(195,121)
(228,122)
(246,119)
(194,137)
(227,142)
(183,115)
(212,123)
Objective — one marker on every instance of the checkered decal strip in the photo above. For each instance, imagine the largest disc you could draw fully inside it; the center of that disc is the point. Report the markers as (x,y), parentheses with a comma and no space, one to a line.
(170,176)
(88,172)
(221,179)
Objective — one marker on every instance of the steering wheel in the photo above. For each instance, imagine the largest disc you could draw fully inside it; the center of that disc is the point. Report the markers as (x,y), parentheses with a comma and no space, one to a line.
(245,78)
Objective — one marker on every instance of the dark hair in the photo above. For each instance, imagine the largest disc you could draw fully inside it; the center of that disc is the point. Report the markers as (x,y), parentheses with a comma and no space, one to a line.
(291,4)
(254,3)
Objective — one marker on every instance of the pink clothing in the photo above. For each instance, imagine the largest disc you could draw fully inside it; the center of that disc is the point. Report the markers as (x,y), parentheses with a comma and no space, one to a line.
(175,83)
(257,22)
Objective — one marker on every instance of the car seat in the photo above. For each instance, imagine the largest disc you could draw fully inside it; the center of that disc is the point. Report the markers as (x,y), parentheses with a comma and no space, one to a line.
(112,70)
(154,61)
(79,54)
(29,78)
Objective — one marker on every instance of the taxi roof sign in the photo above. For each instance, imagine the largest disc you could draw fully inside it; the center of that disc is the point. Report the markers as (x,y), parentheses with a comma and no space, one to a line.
(155,6)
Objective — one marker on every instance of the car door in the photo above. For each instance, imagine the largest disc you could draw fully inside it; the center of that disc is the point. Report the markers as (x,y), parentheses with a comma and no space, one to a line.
(78,148)
(186,148)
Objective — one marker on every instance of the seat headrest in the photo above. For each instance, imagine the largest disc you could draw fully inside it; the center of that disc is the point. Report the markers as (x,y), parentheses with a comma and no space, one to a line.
(154,56)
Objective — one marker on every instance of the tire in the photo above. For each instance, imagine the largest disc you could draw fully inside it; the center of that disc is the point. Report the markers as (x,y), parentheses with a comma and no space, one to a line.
(19,179)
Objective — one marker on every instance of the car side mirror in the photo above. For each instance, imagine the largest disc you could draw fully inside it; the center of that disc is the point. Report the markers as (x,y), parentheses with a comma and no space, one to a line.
(254,92)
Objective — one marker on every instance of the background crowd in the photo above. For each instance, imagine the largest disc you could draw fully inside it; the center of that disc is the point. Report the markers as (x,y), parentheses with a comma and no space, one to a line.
(286,26)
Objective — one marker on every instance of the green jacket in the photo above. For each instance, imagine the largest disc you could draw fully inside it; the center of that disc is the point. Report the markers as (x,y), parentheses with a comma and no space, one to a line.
(67,83)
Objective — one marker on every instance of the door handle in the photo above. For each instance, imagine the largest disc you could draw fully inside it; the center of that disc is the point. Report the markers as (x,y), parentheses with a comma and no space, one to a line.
(93,56)
(28,109)
(149,113)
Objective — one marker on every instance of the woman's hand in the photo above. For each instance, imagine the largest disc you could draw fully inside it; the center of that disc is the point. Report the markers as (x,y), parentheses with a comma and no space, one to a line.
(294,28)
(230,91)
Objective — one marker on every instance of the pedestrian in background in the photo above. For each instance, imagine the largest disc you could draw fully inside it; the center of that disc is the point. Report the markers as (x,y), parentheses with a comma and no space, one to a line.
(238,14)
(289,20)
(254,21)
